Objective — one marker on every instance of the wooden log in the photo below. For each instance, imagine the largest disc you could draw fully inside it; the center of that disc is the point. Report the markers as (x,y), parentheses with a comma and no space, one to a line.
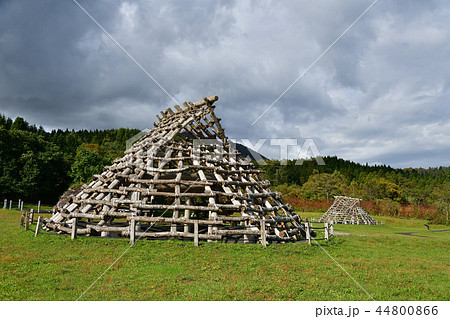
(277,238)
(308,235)
(67,230)
(74,228)
(205,101)
(38,226)
(176,234)
(175,220)
(108,228)
(196,232)
(132,231)
(276,219)
(238,232)
(187,215)
(235,219)
(82,215)
(139,205)
(263,234)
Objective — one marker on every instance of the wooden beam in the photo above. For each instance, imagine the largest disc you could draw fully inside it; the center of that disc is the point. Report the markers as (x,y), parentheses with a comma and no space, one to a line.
(38,226)
(196,232)
(74,228)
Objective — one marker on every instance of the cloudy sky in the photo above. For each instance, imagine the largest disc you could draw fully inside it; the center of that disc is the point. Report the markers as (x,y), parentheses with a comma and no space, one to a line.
(380,94)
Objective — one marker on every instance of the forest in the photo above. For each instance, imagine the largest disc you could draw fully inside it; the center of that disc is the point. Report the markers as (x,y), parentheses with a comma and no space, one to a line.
(39,165)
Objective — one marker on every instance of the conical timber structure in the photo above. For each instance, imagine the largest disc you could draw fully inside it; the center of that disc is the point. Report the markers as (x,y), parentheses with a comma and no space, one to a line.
(347,210)
(181,180)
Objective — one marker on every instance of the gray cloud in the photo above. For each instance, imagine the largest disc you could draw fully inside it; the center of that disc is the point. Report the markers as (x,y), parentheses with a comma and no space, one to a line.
(379,95)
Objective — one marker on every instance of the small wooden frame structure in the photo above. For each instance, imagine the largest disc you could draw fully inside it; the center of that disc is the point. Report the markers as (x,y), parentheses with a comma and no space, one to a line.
(183,179)
(347,210)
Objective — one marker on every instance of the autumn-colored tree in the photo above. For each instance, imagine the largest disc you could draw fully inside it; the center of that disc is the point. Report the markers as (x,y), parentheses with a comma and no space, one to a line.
(324,186)
(441,196)
(380,188)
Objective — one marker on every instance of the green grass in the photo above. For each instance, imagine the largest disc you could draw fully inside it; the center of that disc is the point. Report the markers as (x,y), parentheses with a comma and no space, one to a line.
(388,265)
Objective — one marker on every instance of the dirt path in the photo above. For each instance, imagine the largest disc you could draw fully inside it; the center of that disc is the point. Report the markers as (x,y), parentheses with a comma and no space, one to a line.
(431,231)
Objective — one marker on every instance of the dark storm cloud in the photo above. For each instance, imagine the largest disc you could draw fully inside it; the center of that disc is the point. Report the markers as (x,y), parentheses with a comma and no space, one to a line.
(379,94)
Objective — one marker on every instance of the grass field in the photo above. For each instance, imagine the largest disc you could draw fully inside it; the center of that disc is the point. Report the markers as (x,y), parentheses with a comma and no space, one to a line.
(389,266)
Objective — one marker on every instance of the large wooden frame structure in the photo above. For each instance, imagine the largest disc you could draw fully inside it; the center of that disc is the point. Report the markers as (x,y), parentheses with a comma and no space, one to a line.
(347,210)
(181,180)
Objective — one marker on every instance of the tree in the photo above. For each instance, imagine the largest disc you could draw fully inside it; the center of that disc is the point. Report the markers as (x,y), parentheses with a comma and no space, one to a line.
(87,163)
(376,187)
(441,196)
(19,124)
(323,186)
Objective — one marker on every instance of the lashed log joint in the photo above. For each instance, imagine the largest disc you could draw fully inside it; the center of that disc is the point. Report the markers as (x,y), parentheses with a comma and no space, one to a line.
(168,185)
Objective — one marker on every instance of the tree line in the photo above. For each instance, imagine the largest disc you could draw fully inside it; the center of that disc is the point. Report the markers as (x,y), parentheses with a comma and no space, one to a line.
(390,191)
(39,165)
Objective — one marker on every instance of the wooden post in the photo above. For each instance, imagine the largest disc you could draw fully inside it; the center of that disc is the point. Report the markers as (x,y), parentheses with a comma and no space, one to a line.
(327,236)
(196,232)
(308,235)
(263,232)
(187,215)
(332,229)
(39,207)
(31,216)
(21,205)
(10,204)
(132,231)
(18,205)
(5,203)
(210,226)
(27,222)
(38,226)
(74,228)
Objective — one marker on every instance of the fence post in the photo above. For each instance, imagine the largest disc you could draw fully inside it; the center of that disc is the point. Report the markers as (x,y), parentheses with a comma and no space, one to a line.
(39,207)
(18,205)
(308,235)
(27,221)
(263,232)
(38,226)
(132,231)
(10,204)
(74,228)
(21,205)
(332,229)
(327,236)
(196,232)
(5,203)
(31,216)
